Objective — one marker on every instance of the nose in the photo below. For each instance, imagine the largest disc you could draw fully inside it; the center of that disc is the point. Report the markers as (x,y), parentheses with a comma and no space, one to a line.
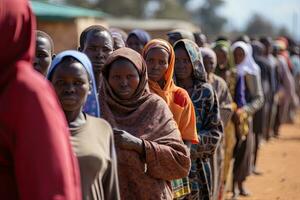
(123,83)
(69,89)
(100,53)
(155,66)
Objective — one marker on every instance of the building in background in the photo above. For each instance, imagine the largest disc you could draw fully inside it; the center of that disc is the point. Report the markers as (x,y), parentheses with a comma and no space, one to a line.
(64,23)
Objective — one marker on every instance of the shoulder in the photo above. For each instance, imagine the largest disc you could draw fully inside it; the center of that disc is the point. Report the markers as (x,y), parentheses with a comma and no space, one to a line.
(101,129)
(157,103)
(181,97)
(99,123)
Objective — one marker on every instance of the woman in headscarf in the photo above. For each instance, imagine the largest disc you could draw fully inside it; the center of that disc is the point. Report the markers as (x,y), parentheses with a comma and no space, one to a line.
(191,75)
(247,68)
(262,117)
(159,56)
(225,65)
(137,39)
(149,147)
(71,74)
(36,159)
(226,111)
(225,69)
(287,92)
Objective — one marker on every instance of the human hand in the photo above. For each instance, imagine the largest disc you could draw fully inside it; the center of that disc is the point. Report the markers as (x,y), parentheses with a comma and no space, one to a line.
(125,140)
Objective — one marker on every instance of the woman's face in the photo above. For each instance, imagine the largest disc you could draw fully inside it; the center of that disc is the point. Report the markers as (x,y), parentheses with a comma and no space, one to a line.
(239,55)
(183,65)
(221,57)
(208,64)
(123,78)
(71,84)
(134,43)
(157,60)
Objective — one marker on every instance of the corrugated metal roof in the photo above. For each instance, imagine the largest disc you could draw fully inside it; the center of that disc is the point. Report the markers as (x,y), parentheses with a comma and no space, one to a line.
(50,11)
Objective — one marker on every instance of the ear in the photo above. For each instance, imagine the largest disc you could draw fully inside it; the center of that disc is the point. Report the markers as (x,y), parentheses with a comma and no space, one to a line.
(53,56)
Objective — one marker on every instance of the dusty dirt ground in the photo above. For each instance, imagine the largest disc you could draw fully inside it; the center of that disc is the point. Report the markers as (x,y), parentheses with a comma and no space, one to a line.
(279,160)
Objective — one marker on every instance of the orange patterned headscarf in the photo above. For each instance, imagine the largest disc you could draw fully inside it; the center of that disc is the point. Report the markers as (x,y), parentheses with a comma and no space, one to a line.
(169,87)
(177,98)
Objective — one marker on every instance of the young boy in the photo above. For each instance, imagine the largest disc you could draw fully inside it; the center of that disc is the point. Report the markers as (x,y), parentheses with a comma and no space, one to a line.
(97,43)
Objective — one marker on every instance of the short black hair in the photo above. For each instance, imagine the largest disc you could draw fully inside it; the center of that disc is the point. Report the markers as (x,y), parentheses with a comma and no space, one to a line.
(45,35)
(92,29)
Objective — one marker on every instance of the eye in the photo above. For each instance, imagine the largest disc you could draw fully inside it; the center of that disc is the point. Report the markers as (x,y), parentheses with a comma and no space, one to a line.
(59,82)
(162,62)
(79,83)
(92,48)
(150,60)
(115,77)
(130,76)
(41,55)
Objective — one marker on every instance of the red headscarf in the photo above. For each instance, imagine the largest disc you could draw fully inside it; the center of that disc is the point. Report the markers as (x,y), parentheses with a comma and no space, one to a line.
(36,159)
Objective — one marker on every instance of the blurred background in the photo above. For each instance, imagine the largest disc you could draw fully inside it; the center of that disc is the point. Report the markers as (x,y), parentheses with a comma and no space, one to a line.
(64,19)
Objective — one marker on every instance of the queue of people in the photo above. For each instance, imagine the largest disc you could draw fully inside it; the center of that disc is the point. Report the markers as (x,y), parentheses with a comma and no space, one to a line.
(130,117)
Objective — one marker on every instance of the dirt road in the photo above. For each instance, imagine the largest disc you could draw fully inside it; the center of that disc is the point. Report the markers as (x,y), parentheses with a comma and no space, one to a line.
(279,161)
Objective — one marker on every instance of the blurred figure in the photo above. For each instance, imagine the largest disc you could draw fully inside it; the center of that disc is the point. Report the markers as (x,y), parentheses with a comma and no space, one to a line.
(295,59)
(118,40)
(287,92)
(137,39)
(261,118)
(178,34)
(44,52)
(226,111)
(274,81)
(36,159)
(248,69)
(200,39)
(120,31)
(226,70)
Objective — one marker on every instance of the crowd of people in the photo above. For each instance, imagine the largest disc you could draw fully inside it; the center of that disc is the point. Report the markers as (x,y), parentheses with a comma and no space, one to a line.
(130,117)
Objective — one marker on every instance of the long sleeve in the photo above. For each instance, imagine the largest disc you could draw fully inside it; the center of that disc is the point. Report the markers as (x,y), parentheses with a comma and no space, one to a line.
(209,125)
(239,97)
(111,183)
(187,124)
(253,85)
(167,159)
(225,99)
(44,164)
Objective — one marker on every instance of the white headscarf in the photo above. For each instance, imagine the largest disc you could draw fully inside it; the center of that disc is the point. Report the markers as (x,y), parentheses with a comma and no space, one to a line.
(248,65)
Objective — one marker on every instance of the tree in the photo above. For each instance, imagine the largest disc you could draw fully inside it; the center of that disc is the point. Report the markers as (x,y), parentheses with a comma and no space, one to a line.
(258,26)
(172,10)
(208,18)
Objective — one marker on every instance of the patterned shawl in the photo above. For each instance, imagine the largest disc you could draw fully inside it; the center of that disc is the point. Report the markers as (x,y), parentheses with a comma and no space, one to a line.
(209,125)
(146,116)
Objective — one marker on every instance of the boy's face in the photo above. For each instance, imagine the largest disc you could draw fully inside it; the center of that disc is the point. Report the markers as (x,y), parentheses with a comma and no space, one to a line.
(43,56)
(98,46)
